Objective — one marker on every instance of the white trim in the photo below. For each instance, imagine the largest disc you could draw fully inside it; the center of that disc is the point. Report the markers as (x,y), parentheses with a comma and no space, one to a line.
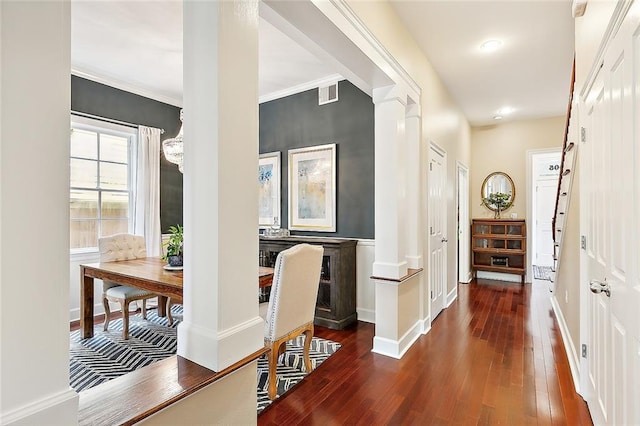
(126,87)
(499,276)
(451,297)
(572,356)
(62,406)
(397,349)
(366,315)
(302,87)
(361,242)
(357,24)
(425,325)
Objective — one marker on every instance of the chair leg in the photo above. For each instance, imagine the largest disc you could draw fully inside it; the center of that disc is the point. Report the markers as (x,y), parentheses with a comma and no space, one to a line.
(308,335)
(169,317)
(125,319)
(273,364)
(144,308)
(107,313)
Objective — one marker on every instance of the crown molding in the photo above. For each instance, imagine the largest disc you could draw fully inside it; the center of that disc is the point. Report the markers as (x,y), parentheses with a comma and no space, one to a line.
(127,87)
(347,12)
(331,79)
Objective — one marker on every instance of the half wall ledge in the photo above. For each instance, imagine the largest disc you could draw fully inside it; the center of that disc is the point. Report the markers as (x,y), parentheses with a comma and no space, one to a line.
(410,274)
(136,396)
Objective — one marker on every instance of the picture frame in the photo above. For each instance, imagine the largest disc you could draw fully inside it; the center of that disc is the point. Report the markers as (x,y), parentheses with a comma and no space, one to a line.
(269,185)
(312,188)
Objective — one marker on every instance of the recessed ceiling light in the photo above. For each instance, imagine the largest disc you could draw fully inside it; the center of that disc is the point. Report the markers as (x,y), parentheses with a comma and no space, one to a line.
(505,111)
(490,45)
(497,117)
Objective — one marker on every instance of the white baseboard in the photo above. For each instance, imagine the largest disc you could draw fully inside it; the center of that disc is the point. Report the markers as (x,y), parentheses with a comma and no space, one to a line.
(396,349)
(467,279)
(366,315)
(452,296)
(425,325)
(57,409)
(499,277)
(572,355)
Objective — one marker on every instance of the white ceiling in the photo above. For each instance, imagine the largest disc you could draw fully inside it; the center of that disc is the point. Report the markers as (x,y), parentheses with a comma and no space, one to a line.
(137,46)
(531,73)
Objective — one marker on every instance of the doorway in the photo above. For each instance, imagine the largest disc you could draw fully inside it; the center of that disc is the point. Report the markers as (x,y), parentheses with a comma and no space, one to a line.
(464,271)
(543,177)
(437,229)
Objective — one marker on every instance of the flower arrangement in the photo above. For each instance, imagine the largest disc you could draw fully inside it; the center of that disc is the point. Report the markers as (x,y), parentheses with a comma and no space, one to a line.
(499,200)
(175,246)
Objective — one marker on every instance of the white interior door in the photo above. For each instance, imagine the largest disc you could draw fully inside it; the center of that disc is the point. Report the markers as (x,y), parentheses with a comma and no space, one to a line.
(610,195)
(437,230)
(464,249)
(544,206)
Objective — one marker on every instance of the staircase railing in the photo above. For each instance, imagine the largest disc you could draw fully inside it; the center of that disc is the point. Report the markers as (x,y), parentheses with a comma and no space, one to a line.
(567,162)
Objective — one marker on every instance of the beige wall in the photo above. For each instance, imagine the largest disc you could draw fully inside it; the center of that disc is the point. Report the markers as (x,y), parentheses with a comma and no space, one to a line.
(503,148)
(442,120)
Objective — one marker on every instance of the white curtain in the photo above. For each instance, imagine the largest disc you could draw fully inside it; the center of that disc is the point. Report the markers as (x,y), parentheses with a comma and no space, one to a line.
(146,214)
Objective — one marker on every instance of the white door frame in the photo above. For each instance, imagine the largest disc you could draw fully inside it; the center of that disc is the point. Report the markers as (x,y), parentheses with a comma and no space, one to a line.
(464,223)
(530,182)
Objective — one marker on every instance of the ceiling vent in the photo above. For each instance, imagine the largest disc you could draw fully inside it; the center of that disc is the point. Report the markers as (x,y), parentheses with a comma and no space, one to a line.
(328,94)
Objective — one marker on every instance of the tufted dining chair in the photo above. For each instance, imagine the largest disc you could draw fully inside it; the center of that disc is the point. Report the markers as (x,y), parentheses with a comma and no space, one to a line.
(292,304)
(122,247)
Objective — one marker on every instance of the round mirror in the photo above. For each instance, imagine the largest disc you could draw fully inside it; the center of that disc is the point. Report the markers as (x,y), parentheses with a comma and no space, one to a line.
(498,191)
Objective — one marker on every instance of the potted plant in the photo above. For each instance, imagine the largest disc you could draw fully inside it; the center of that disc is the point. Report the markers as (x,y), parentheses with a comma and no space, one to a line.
(499,201)
(174,246)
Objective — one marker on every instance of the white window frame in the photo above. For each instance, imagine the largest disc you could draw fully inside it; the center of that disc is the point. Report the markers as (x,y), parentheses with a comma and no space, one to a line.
(131,133)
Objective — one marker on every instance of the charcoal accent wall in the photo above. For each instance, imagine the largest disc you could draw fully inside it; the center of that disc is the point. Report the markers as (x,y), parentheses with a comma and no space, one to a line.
(298,121)
(104,101)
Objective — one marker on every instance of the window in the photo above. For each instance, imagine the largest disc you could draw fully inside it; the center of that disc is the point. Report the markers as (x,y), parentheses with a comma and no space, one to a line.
(100,182)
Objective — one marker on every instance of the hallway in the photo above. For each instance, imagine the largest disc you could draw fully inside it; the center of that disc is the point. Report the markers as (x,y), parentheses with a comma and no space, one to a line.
(495,356)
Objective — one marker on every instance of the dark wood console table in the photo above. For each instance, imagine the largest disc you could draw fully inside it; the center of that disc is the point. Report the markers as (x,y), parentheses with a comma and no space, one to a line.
(336,304)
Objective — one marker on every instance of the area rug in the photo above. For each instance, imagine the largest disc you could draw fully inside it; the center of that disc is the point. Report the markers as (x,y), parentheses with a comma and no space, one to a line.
(542,272)
(106,355)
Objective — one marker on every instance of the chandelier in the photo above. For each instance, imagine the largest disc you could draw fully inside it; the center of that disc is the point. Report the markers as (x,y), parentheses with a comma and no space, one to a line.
(173,148)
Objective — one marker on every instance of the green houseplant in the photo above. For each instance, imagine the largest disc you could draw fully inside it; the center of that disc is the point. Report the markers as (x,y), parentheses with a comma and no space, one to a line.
(174,246)
(499,201)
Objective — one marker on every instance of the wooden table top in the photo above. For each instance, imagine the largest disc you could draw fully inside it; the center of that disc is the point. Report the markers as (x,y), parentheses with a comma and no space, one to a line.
(150,269)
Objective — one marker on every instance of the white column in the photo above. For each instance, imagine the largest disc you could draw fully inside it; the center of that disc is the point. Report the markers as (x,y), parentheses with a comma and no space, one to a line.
(412,167)
(221,323)
(390,185)
(35,102)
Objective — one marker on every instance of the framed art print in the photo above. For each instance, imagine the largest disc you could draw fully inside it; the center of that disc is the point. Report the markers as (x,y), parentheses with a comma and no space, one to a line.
(269,189)
(312,188)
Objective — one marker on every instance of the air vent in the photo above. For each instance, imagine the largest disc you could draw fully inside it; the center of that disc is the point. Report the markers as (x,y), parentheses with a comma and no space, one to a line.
(328,94)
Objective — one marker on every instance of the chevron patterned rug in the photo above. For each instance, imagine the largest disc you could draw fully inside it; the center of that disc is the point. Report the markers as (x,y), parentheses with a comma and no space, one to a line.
(106,355)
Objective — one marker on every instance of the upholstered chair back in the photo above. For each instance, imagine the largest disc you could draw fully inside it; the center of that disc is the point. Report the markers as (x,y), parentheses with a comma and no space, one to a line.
(294,290)
(121,247)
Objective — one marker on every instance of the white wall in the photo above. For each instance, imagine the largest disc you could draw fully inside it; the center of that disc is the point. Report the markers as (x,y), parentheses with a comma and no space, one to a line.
(35,91)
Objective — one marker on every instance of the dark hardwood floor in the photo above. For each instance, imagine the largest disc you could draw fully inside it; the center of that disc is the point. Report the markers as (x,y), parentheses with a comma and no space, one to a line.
(494,357)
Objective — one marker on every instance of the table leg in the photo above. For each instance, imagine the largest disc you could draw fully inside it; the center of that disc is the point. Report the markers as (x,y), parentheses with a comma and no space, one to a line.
(162,306)
(86,305)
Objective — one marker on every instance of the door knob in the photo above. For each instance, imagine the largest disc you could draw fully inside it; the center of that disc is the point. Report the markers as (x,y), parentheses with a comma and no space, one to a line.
(598,287)
(444,240)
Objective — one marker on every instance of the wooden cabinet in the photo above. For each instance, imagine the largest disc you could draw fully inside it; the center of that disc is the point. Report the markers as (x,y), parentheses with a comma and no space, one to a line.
(336,303)
(499,245)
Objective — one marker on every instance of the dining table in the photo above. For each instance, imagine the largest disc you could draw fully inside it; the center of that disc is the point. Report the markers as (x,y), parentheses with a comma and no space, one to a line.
(148,273)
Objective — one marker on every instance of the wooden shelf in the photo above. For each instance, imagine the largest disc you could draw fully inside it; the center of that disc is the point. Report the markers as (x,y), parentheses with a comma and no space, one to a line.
(499,245)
